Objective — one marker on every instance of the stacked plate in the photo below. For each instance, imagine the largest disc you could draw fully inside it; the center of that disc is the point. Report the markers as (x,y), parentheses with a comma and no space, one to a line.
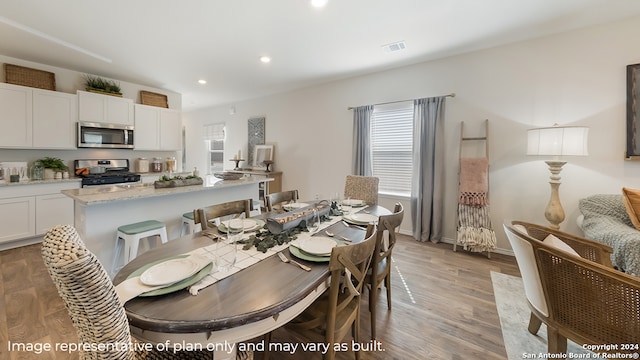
(360,218)
(353,202)
(174,273)
(236,224)
(294,206)
(316,248)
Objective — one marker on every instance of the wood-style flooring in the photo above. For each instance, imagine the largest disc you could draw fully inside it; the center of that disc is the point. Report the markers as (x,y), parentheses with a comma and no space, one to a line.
(443,307)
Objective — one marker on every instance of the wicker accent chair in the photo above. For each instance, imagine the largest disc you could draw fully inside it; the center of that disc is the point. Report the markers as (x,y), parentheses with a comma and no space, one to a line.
(275,199)
(362,188)
(380,270)
(91,299)
(203,216)
(575,297)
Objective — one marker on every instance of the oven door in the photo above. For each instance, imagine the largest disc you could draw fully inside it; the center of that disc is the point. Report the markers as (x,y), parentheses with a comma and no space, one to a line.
(111,136)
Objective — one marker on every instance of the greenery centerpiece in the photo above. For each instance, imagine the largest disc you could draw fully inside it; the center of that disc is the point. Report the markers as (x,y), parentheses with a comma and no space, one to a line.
(99,85)
(177,181)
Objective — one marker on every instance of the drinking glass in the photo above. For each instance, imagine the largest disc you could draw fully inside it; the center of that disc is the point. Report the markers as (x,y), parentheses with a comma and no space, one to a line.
(313,222)
(227,249)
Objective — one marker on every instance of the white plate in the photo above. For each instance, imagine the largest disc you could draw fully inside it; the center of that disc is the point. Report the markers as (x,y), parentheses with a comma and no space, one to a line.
(361,218)
(352,202)
(236,224)
(318,245)
(170,271)
(294,206)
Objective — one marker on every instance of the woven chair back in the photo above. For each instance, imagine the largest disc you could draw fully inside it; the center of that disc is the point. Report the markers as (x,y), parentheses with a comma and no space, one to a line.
(362,188)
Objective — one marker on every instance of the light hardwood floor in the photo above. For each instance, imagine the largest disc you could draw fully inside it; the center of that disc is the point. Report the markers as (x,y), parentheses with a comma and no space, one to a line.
(443,307)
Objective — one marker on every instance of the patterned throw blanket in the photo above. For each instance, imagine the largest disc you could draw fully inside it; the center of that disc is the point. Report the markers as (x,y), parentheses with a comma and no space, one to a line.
(606,221)
(475,232)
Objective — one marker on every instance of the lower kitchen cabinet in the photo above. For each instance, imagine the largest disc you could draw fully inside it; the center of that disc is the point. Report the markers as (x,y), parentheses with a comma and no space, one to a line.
(52,210)
(18,218)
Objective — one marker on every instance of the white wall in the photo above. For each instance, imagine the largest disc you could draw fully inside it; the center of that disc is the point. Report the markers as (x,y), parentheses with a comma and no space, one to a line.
(575,78)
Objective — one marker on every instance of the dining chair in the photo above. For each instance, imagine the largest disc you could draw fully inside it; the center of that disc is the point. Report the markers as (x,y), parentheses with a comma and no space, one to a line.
(577,298)
(380,270)
(91,300)
(337,310)
(204,216)
(278,198)
(362,188)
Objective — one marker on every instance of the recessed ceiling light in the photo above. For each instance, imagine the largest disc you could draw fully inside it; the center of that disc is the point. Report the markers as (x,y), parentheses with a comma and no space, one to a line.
(202,81)
(319,3)
(265,59)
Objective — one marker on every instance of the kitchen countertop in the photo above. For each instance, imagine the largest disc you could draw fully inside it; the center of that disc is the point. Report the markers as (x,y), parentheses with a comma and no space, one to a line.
(122,192)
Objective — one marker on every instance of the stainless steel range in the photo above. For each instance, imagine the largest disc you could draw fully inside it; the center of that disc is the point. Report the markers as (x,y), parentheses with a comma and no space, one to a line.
(104,172)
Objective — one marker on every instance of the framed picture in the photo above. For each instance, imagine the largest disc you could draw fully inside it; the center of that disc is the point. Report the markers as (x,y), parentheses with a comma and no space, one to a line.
(260,154)
(633,112)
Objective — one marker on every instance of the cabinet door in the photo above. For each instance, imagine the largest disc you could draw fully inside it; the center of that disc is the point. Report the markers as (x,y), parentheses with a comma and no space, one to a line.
(54,119)
(119,110)
(147,131)
(91,107)
(16,118)
(52,210)
(17,218)
(170,130)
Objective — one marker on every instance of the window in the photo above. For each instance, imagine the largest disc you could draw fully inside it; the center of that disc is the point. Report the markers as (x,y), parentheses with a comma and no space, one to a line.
(214,140)
(392,147)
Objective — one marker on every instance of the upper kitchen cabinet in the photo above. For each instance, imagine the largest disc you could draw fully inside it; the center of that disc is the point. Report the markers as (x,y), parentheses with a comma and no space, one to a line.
(104,108)
(16,116)
(36,118)
(157,128)
(54,119)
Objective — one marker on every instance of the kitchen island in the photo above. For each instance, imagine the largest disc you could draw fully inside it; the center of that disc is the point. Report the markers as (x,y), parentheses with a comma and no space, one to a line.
(99,211)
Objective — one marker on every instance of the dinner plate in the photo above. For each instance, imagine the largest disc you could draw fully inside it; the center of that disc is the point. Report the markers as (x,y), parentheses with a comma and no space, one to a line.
(301,254)
(353,202)
(248,225)
(291,206)
(176,286)
(318,245)
(170,271)
(360,219)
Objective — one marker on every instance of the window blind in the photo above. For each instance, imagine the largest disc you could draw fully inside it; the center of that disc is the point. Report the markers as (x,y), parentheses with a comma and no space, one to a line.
(391,149)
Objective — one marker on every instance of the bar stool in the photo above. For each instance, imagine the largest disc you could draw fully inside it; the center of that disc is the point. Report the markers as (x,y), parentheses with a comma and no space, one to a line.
(131,235)
(188,224)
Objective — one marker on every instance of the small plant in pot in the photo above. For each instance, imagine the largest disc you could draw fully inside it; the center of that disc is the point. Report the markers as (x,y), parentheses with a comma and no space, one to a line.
(52,166)
(97,84)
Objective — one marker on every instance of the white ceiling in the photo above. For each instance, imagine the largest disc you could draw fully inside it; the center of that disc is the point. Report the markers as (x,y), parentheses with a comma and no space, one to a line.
(170,44)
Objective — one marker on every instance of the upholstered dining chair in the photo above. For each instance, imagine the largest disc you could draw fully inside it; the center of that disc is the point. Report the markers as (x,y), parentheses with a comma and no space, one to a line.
(380,269)
(204,216)
(362,188)
(337,310)
(576,298)
(91,299)
(275,199)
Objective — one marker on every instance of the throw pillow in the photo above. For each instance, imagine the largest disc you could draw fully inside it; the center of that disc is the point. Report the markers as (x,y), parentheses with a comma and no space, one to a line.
(631,200)
(553,241)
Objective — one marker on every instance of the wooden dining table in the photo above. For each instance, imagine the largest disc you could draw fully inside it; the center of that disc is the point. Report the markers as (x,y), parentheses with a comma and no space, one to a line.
(240,307)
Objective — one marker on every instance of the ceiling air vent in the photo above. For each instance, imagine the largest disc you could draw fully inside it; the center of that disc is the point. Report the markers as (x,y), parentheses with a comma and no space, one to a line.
(393,47)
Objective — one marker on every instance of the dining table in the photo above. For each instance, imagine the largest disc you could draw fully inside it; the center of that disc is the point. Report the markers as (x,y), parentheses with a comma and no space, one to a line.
(242,306)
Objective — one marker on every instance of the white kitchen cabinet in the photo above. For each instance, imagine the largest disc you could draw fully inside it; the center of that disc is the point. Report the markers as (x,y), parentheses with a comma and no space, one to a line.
(157,128)
(52,210)
(104,108)
(54,119)
(16,118)
(17,218)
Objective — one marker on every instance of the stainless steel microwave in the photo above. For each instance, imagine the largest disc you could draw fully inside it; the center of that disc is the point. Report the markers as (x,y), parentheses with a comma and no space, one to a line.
(109,136)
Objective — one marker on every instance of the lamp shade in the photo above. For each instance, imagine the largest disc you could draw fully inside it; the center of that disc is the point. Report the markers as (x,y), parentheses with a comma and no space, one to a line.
(558,140)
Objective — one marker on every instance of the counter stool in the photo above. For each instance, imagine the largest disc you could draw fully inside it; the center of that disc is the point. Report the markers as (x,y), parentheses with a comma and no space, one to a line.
(188,224)
(131,235)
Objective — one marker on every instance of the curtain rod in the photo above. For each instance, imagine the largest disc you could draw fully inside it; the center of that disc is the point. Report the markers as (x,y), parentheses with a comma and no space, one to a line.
(397,101)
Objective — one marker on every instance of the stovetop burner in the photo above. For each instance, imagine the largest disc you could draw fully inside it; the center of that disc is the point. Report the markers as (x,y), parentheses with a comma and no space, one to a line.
(115,172)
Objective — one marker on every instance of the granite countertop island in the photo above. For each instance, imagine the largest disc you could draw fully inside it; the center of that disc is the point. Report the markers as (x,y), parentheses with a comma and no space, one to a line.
(100,210)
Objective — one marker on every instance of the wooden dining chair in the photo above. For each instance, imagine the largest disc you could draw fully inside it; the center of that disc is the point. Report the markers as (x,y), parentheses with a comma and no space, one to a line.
(275,199)
(362,188)
(91,299)
(337,311)
(380,270)
(204,216)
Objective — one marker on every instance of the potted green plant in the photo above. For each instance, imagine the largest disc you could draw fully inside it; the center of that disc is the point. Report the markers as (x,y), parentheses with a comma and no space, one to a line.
(52,166)
(99,85)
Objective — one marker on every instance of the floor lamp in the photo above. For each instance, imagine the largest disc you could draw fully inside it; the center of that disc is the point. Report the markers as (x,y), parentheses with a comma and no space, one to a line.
(557,141)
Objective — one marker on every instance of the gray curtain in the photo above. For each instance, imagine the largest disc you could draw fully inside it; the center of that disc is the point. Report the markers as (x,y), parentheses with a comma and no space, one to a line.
(427,191)
(362,140)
